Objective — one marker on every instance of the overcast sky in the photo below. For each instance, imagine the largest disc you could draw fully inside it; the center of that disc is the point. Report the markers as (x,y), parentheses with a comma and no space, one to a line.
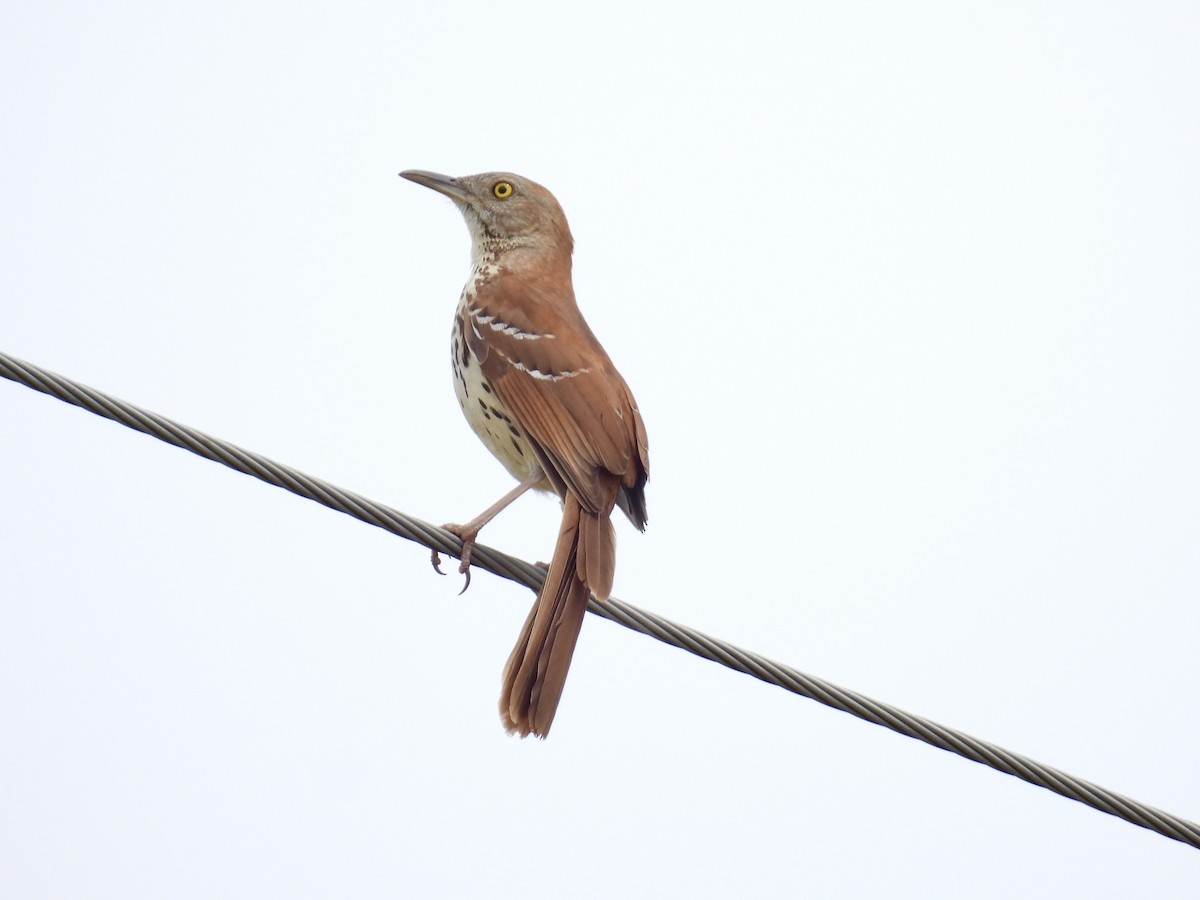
(909,295)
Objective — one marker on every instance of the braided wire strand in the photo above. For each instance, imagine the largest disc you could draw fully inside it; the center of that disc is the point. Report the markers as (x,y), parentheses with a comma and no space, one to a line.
(615,610)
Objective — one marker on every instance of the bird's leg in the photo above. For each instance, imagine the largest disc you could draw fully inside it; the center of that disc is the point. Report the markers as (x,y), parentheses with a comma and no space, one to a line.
(470,531)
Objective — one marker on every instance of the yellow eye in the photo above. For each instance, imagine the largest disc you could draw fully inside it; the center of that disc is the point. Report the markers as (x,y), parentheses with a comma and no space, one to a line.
(502,189)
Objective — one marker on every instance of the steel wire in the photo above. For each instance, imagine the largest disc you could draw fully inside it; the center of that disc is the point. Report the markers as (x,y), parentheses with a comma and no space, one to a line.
(615,610)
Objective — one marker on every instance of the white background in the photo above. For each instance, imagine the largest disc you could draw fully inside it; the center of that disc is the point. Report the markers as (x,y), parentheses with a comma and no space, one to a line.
(909,295)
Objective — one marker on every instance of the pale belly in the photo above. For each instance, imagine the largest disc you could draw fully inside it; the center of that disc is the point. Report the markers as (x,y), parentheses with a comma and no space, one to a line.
(487,417)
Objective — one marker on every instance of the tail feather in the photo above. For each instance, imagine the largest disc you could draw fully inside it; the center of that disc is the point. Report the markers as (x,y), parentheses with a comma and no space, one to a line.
(583,563)
(597,554)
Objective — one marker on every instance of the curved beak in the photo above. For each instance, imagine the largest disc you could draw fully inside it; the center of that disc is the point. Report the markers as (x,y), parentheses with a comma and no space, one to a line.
(443,184)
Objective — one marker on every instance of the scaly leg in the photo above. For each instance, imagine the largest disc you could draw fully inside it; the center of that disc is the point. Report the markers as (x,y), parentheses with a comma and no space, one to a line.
(470,531)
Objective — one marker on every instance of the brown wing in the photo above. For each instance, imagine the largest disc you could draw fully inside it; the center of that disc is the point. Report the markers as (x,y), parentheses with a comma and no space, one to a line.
(555,379)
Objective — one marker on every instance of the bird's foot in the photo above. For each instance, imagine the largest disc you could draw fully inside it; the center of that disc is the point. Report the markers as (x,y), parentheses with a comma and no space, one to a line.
(467,536)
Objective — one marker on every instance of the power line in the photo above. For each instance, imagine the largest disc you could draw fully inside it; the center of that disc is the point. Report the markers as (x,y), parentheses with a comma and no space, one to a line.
(615,610)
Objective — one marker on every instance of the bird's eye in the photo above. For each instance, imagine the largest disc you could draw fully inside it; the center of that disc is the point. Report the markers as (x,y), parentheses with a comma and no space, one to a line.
(502,189)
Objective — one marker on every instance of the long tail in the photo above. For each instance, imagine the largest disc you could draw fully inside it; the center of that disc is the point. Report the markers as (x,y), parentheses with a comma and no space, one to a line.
(583,563)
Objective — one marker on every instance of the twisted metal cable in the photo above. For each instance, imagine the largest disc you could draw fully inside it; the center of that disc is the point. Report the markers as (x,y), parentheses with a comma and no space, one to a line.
(615,610)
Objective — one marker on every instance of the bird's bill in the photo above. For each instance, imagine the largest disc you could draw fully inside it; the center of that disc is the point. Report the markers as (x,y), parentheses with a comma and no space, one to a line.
(443,184)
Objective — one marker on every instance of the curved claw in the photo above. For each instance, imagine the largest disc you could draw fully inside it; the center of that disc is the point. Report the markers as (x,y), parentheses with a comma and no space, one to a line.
(467,536)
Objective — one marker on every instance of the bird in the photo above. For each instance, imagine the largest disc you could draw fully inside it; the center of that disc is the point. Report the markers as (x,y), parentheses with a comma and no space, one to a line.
(543,396)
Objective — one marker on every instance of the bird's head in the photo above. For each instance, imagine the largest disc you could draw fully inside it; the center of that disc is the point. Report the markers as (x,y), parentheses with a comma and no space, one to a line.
(504,212)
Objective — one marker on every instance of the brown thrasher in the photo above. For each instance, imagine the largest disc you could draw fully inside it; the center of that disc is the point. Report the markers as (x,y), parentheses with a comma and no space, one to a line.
(540,392)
